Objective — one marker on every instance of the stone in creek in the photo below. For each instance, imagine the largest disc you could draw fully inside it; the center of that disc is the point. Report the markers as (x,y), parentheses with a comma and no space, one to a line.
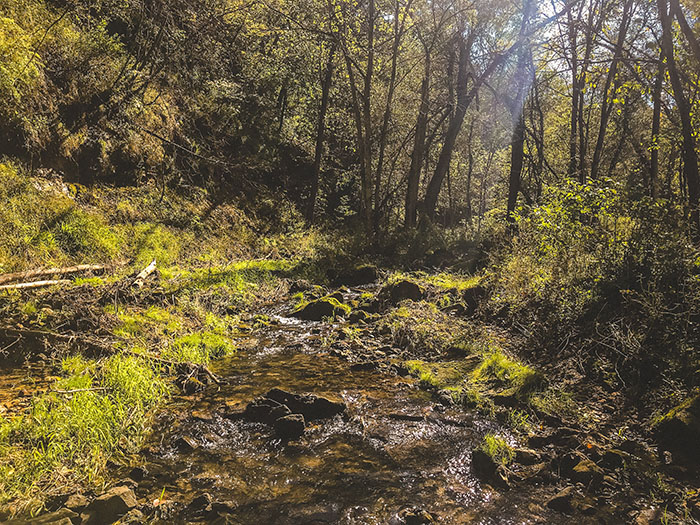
(562,501)
(200,504)
(310,406)
(290,427)
(60,517)
(258,410)
(412,516)
(77,502)
(486,469)
(319,309)
(364,366)
(110,506)
(402,290)
(586,472)
(526,456)
(186,444)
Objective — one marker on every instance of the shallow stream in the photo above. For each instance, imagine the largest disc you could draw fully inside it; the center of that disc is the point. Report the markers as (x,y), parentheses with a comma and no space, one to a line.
(394,448)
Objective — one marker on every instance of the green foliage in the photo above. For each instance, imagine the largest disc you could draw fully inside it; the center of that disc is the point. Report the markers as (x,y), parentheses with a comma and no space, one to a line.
(95,413)
(19,67)
(155,241)
(498,449)
(85,236)
(422,328)
(507,373)
(562,248)
(199,348)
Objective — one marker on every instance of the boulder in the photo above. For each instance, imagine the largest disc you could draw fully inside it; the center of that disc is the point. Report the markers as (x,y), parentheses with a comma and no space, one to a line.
(487,469)
(310,406)
(259,410)
(76,502)
(200,504)
(587,472)
(613,458)
(562,501)
(353,276)
(290,427)
(473,296)
(110,506)
(321,308)
(402,290)
(526,456)
(186,444)
(679,430)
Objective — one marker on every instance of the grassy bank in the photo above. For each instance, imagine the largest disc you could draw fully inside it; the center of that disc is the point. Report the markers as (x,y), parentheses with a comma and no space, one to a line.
(98,406)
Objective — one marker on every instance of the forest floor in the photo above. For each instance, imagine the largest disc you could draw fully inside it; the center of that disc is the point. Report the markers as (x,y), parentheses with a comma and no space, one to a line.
(281,384)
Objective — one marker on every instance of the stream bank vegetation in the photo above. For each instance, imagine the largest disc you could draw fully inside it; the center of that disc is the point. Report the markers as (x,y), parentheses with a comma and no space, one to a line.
(499,199)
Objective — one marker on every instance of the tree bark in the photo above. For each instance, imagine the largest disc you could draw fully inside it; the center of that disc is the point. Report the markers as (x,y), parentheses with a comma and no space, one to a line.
(690,158)
(418,152)
(320,136)
(656,128)
(607,105)
(517,148)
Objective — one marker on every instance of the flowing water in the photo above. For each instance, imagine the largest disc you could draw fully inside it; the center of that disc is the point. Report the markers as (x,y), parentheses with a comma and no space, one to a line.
(394,448)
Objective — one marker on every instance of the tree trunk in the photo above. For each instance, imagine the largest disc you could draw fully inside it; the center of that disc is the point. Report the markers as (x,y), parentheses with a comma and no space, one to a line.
(517,148)
(690,158)
(418,153)
(656,128)
(607,105)
(320,136)
(573,130)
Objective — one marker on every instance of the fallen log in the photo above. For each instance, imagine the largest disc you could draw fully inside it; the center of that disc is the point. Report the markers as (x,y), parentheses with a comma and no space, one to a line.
(68,270)
(33,284)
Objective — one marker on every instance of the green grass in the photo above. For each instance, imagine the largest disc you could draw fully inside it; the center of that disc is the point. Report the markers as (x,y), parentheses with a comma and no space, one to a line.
(507,373)
(422,328)
(453,377)
(101,413)
(498,449)
(199,348)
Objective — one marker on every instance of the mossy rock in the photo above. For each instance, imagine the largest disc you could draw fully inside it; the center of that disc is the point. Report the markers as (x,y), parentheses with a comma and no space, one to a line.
(322,308)
(402,290)
(679,430)
(353,276)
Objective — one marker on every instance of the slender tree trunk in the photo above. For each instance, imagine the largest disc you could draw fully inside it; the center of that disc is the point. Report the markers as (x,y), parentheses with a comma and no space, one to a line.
(320,135)
(656,128)
(517,147)
(398,33)
(367,117)
(693,42)
(573,130)
(606,104)
(690,158)
(470,172)
(453,128)
(517,150)
(418,153)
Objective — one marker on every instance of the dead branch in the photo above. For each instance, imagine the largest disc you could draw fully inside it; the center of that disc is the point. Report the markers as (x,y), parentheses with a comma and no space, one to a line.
(68,270)
(143,275)
(33,284)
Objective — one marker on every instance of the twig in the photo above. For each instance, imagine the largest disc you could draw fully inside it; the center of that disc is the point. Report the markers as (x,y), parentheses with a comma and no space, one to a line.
(34,284)
(23,276)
